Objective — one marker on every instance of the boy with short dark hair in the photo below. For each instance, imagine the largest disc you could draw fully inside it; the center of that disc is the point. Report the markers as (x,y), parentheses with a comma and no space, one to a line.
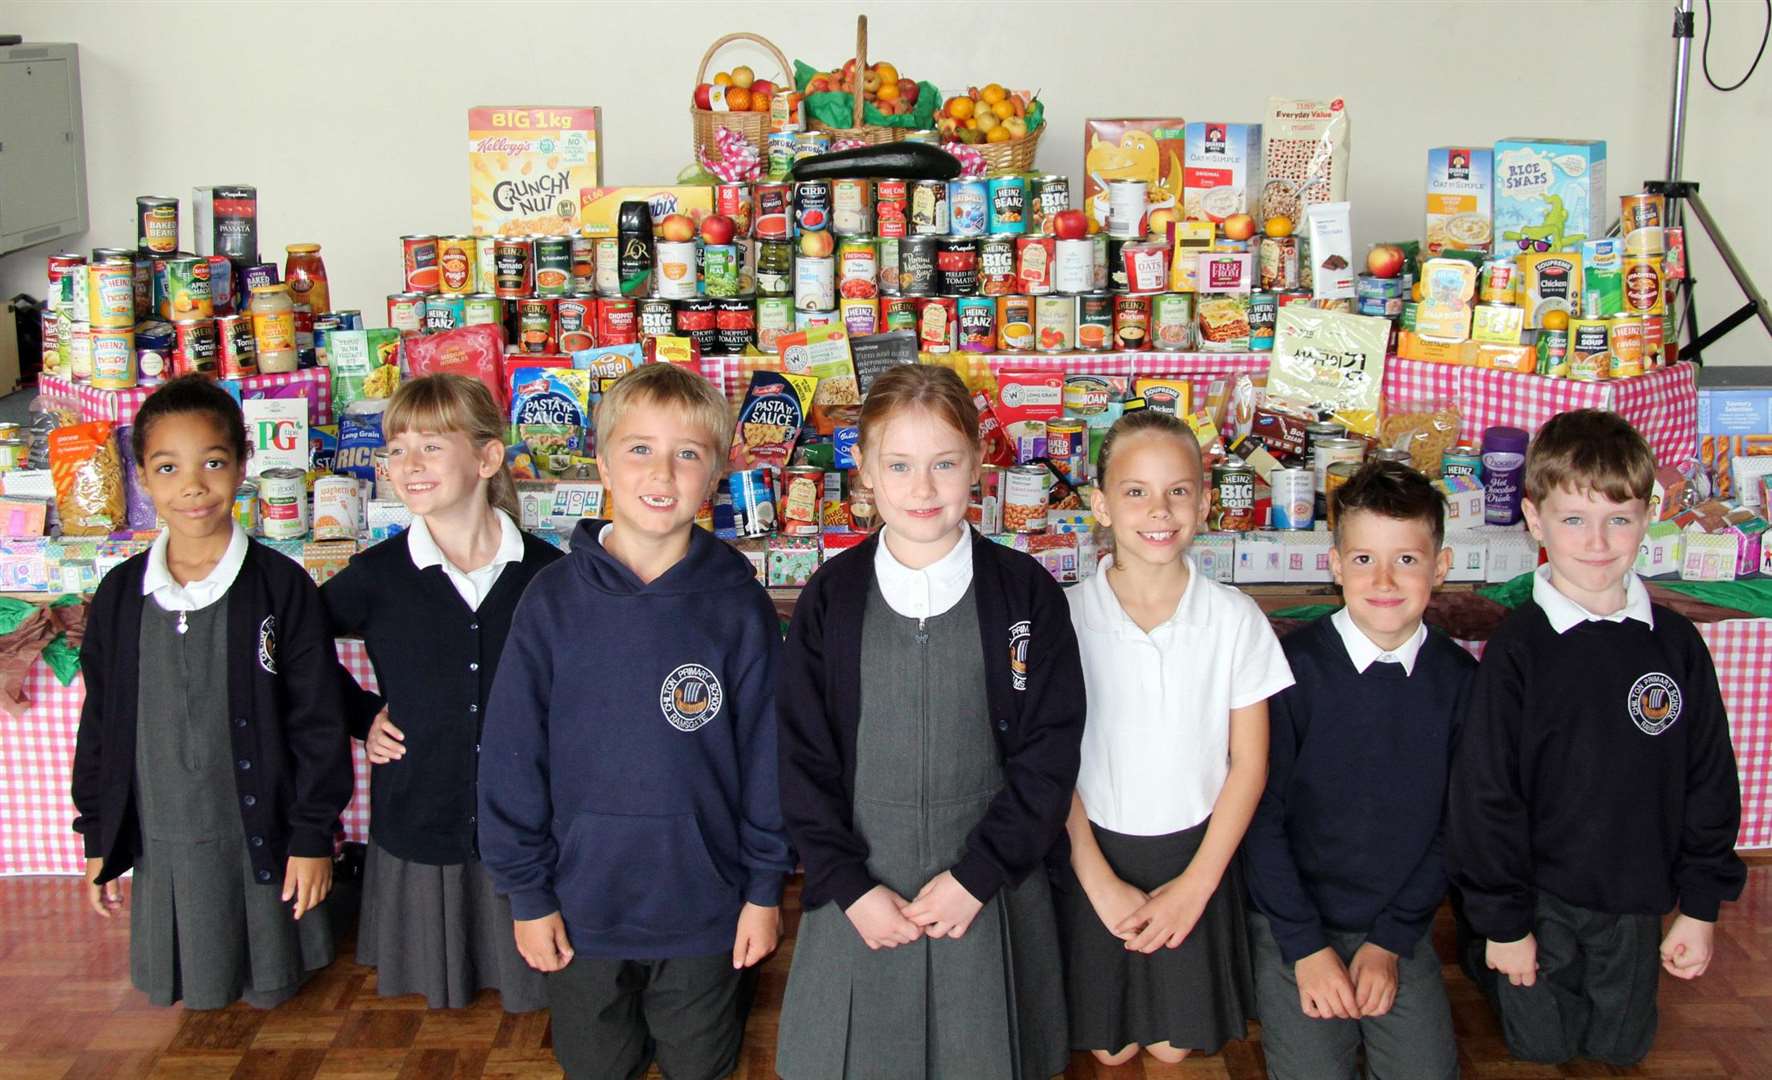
(628,792)
(1344,853)
(1594,788)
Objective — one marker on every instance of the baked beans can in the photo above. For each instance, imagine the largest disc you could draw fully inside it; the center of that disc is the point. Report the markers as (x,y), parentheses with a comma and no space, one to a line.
(245,509)
(187,289)
(1172,322)
(773,217)
(891,208)
(406,312)
(283,504)
(860,315)
(956,265)
(113,358)
(815,283)
(976,317)
(1590,349)
(937,317)
(780,154)
(456,265)
(676,269)
(858,268)
(1073,268)
(1132,322)
(753,501)
(698,320)
(1294,498)
(775,317)
(608,266)
(916,266)
(720,269)
(1047,196)
(514,268)
(1024,499)
(1095,321)
(486,264)
(1643,285)
(422,273)
(553,265)
(617,320)
(735,324)
(811,144)
(1263,311)
(929,208)
(1067,448)
(986,512)
(1008,204)
(1034,259)
(898,313)
(1233,498)
(482,309)
(236,350)
(584,265)
(812,205)
(735,201)
(338,508)
(852,207)
(996,266)
(1626,355)
(110,294)
(658,316)
(1015,323)
(445,312)
(969,206)
(576,323)
(194,348)
(538,326)
(156,225)
(802,499)
(1277,263)
(1055,323)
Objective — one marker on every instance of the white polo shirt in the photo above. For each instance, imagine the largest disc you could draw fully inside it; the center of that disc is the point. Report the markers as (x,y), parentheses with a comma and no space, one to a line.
(473,585)
(1565,614)
(1156,745)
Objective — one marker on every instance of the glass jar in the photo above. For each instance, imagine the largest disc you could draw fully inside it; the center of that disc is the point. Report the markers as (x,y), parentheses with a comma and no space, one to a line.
(273,328)
(305,272)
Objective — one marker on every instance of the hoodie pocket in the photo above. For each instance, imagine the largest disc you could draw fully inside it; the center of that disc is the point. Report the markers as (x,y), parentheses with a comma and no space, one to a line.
(649,872)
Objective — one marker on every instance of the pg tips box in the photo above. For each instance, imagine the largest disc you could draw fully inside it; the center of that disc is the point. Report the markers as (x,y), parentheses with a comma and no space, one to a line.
(1460,198)
(527,164)
(1550,194)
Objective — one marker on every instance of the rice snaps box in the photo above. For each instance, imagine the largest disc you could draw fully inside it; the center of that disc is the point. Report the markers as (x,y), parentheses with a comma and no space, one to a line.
(527,165)
(1460,198)
(1550,194)
(1221,171)
(1144,149)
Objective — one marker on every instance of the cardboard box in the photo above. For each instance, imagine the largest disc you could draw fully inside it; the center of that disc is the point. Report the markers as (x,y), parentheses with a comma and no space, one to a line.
(1709,556)
(1148,149)
(1464,502)
(1661,551)
(277,431)
(1056,552)
(1306,557)
(1750,474)
(1221,170)
(1667,496)
(792,560)
(1460,199)
(598,206)
(1470,554)
(1509,553)
(1215,556)
(1549,190)
(527,164)
(1412,346)
(1260,558)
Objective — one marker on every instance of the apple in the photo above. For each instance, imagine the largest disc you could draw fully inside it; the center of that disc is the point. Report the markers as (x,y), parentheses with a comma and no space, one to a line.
(849,70)
(907,91)
(818,85)
(1239,227)
(717,229)
(817,244)
(870,82)
(764,87)
(743,77)
(1159,220)
(704,96)
(1385,260)
(676,228)
(1070,224)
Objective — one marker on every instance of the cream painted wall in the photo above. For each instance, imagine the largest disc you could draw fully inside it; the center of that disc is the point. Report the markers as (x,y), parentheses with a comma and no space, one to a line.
(350,117)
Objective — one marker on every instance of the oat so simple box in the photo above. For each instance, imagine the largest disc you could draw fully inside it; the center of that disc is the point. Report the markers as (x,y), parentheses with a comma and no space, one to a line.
(1550,194)
(1460,198)
(1221,170)
(527,164)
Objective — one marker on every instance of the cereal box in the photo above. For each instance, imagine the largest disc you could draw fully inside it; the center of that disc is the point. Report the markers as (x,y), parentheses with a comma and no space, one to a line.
(1026,402)
(1143,149)
(527,164)
(1460,198)
(598,207)
(1221,172)
(1550,194)
(1304,152)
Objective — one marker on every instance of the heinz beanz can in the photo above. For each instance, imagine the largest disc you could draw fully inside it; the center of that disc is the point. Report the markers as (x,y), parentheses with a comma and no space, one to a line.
(1008,203)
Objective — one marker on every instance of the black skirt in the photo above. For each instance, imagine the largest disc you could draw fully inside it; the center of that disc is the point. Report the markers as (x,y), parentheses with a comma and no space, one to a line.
(1196,996)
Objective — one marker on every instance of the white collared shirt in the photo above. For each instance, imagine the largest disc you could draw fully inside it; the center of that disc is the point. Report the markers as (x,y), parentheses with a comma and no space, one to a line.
(159,583)
(1364,652)
(1156,744)
(925,593)
(473,585)
(1564,614)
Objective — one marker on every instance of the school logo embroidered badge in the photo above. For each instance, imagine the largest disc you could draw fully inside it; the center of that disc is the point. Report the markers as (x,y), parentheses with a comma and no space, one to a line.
(1019,636)
(690,697)
(1654,703)
(267,644)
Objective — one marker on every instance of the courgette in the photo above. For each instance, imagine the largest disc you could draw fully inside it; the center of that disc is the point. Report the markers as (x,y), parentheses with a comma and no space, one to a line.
(909,160)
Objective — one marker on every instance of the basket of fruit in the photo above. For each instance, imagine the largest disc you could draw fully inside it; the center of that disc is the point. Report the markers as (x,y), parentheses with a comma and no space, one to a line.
(736,100)
(1004,126)
(868,103)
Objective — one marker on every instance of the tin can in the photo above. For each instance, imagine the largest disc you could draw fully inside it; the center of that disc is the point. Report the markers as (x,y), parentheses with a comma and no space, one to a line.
(969,208)
(1172,322)
(977,321)
(772,217)
(338,508)
(1055,323)
(699,321)
(815,284)
(320,328)
(1024,499)
(1643,285)
(1263,311)
(1015,323)
(538,326)
(735,325)
(781,153)
(956,265)
(986,511)
(1132,322)
(1233,498)
(720,270)
(676,269)
(482,309)
(48,330)
(1338,474)
(1034,259)
(283,504)
(753,501)
(1067,448)
(156,224)
(406,312)
(657,315)
(1054,195)
(486,264)
(860,315)
(1642,221)
(1590,349)
(892,208)
(187,290)
(245,509)
(514,268)
(775,268)
(1333,450)
(575,326)
(421,273)
(1008,204)
(852,207)
(1276,261)
(110,294)
(608,257)
(1627,346)
(916,265)
(937,323)
(553,265)
(584,265)
(887,254)
(1095,321)
(616,321)
(811,144)
(194,348)
(858,269)
(1463,459)
(899,313)
(113,358)
(1126,206)
(775,317)
(445,312)
(734,200)
(1146,266)
(1654,342)
(1294,498)
(457,268)
(1073,268)
(929,208)
(236,350)
(1395,455)
(802,498)
(1497,281)
(79,363)
(1552,349)
(812,205)
(61,264)
(996,266)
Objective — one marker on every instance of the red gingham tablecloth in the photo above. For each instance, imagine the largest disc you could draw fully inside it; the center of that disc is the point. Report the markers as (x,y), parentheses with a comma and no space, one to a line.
(120,406)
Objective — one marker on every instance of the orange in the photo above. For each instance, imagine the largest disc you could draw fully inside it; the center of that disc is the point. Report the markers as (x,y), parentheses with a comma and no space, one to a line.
(1003,109)
(960,108)
(1555,319)
(888,91)
(992,94)
(887,73)
(1417,294)
(738,99)
(1278,225)
(998,134)
(723,79)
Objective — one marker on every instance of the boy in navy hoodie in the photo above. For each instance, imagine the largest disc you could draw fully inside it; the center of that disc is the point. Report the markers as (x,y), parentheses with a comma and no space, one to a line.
(628,794)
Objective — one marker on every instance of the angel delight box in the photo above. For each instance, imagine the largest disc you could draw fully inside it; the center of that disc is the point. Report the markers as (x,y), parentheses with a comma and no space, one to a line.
(1550,194)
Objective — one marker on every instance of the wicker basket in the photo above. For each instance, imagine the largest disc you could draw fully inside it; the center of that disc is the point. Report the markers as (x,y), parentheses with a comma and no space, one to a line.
(872,134)
(754,126)
(1013,156)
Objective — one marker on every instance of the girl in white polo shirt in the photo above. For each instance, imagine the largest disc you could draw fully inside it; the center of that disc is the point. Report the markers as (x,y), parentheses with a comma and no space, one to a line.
(1178,670)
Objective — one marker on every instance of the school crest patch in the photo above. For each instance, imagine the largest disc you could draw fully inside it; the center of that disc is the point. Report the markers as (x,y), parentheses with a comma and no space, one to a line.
(1019,636)
(1654,703)
(690,697)
(267,644)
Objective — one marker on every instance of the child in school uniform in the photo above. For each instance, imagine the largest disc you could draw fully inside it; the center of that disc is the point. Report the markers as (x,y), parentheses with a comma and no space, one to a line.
(1178,670)
(629,805)
(433,606)
(931,705)
(211,756)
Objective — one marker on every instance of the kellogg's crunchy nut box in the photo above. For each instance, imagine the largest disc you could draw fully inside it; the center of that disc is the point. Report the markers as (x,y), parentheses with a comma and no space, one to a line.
(527,164)
(1144,149)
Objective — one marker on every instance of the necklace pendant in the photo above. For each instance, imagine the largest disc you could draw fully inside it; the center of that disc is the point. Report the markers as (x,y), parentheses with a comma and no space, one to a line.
(183,624)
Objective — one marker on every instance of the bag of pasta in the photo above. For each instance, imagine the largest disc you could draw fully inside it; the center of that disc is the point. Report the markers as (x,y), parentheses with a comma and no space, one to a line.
(88,473)
(1427,429)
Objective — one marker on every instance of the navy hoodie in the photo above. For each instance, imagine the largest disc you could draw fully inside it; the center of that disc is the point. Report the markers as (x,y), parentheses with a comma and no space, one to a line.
(628,767)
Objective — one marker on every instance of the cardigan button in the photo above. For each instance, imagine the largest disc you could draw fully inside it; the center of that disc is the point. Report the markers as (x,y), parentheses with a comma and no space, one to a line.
(473,708)
(243,764)
(264,875)
(258,841)
(473,626)
(473,665)
(248,800)
(1002,725)
(239,721)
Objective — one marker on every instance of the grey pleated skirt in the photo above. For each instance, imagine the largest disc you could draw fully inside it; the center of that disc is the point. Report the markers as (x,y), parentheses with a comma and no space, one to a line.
(1196,996)
(441,931)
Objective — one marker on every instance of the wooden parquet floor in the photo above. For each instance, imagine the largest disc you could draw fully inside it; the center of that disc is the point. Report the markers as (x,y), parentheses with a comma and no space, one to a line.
(67,1012)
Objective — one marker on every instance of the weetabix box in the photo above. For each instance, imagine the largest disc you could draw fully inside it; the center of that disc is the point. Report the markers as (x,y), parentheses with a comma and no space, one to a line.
(598,207)
(527,165)
(1148,149)
(1460,198)
(1221,170)
(1550,194)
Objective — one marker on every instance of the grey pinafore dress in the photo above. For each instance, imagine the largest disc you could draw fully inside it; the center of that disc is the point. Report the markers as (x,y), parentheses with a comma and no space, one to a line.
(989,1006)
(202,929)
